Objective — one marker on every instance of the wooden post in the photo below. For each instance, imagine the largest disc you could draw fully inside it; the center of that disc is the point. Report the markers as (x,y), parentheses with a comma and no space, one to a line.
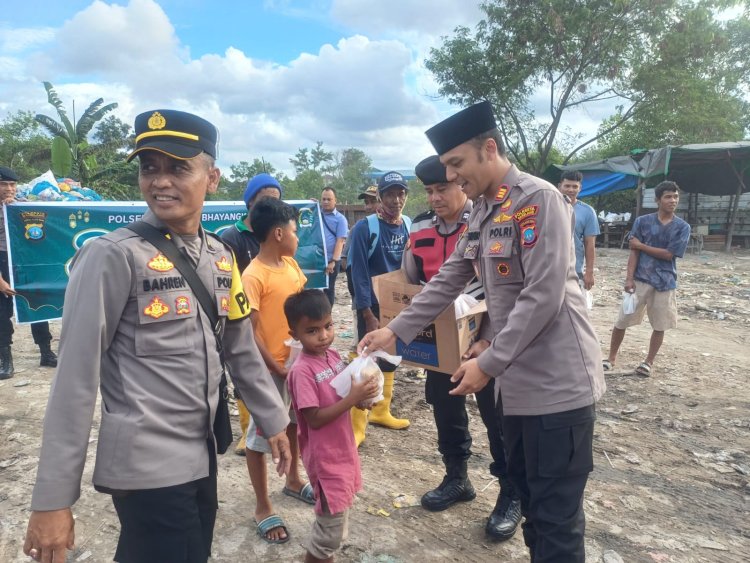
(735,206)
(639,196)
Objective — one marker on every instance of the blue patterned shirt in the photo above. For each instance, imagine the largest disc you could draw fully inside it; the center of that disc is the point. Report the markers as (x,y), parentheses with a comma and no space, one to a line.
(674,237)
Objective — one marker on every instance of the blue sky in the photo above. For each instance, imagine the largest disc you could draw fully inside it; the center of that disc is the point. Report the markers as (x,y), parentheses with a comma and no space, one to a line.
(273,75)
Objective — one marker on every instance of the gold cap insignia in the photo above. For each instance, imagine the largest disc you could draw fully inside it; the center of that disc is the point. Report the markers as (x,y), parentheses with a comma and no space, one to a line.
(156,309)
(157,121)
(159,263)
(224,265)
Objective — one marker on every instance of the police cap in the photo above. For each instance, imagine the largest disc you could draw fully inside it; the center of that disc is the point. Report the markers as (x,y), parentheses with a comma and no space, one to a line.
(175,133)
(431,171)
(7,175)
(461,127)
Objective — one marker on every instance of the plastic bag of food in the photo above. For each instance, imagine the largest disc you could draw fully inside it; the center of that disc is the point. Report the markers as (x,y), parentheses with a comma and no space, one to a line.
(629,303)
(463,304)
(363,367)
(295,347)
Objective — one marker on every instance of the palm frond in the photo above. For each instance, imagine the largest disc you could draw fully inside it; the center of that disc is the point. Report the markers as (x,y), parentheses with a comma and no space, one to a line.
(52,126)
(91,116)
(55,100)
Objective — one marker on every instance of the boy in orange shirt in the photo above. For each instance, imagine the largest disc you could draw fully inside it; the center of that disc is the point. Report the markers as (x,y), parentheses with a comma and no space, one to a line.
(272,276)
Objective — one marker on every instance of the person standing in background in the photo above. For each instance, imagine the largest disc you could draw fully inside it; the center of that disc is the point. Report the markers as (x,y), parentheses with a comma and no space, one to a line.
(40,331)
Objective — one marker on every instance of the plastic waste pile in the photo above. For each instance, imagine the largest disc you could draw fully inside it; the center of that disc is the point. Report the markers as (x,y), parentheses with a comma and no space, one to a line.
(48,188)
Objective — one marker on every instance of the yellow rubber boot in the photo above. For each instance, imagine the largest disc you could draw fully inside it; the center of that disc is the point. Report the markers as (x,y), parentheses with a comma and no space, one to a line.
(244,423)
(381,412)
(359,424)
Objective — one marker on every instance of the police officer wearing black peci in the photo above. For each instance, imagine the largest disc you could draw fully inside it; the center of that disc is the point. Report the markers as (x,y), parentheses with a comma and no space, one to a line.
(134,329)
(433,238)
(537,340)
(40,331)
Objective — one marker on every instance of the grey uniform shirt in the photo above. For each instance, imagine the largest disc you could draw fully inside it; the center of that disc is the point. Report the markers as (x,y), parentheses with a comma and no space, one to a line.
(133,329)
(544,350)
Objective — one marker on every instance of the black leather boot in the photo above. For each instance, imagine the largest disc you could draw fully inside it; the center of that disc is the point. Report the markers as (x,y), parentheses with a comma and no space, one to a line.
(47,358)
(6,363)
(454,488)
(504,520)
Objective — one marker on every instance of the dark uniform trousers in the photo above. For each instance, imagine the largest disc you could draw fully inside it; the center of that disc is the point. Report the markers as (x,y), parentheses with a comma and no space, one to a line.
(452,422)
(330,291)
(40,331)
(170,524)
(549,461)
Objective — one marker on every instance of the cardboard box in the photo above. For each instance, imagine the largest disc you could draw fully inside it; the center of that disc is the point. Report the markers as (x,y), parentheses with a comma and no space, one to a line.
(440,344)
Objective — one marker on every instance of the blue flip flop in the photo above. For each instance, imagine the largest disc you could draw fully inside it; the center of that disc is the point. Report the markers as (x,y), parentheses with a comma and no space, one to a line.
(305,494)
(270,523)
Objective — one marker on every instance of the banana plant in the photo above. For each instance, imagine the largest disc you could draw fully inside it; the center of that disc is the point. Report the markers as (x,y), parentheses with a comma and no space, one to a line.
(78,162)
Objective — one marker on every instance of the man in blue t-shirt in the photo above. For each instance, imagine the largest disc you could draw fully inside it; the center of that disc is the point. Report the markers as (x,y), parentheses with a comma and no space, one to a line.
(335,229)
(656,241)
(586,227)
(372,256)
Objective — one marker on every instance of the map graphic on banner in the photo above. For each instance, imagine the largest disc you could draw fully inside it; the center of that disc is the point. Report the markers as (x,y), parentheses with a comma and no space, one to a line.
(43,238)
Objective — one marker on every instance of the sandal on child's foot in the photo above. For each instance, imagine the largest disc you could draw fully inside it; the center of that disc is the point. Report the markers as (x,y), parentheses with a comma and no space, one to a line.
(607,365)
(644,370)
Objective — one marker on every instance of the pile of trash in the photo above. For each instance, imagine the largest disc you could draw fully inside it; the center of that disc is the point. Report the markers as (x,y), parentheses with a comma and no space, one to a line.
(48,188)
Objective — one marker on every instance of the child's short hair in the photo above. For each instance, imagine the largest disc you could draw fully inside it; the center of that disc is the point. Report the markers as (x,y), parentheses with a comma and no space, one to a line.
(665,186)
(269,213)
(310,303)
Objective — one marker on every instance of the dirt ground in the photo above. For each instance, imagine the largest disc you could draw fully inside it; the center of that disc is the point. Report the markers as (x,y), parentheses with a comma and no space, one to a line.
(672,476)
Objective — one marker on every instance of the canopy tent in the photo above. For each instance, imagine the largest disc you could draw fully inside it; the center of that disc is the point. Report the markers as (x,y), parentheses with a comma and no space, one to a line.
(717,169)
(600,177)
(712,168)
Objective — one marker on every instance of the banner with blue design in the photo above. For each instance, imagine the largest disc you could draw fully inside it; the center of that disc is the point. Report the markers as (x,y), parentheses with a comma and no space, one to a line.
(43,238)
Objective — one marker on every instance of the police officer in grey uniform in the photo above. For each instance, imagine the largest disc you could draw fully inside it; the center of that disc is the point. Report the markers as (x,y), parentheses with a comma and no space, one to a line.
(537,341)
(133,328)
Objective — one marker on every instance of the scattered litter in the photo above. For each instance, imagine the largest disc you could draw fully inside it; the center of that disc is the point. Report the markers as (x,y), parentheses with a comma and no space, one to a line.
(377,512)
(8,462)
(22,383)
(611,556)
(402,500)
(630,409)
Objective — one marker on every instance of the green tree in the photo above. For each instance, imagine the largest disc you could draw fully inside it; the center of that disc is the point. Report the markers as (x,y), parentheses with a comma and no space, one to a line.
(350,174)
(305,185)
(83,162)
(692,87)
(581,53)
(115,178)
(317,159)
(232,187)
(23,145)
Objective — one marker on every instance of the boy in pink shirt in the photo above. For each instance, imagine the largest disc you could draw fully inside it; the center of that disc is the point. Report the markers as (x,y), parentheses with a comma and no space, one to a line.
(326,439)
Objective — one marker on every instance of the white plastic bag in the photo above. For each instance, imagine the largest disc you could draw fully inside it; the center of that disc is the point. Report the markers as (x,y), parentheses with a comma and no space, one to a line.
(629,303)
(295,347)
(463,304)
(361,368)
(587,296)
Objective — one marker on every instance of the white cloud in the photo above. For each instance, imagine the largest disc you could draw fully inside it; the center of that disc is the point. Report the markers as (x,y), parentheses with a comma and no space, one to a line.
(18,40)
(368,90)
(435,18)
